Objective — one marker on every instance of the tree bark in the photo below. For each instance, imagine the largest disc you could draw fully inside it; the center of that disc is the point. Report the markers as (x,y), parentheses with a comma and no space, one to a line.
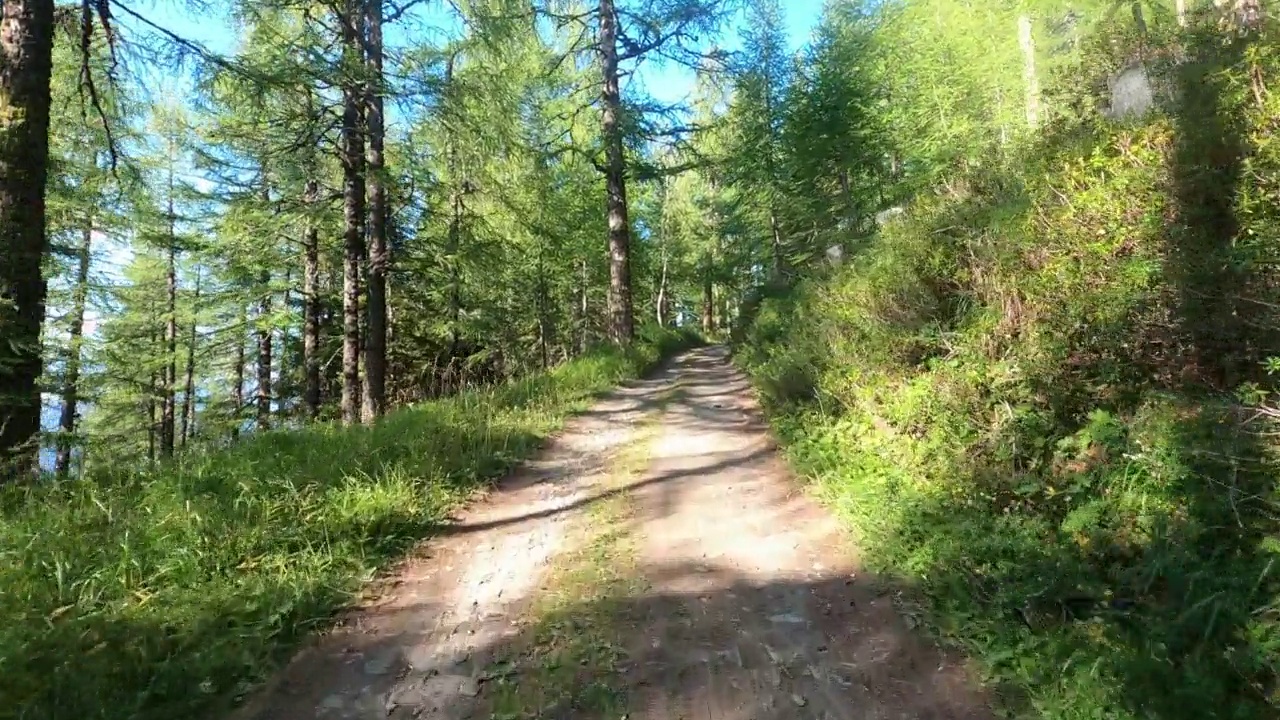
(375,361)
(353,190)
(237,387)
(708,301)
(1181,8)
(169,401)
(263,394)
(71,382)
(189,389)
(454,245)
(621,318)
(662,291)
(779,262)
(311,306)
(26,57)
(583,340)
(1026,40)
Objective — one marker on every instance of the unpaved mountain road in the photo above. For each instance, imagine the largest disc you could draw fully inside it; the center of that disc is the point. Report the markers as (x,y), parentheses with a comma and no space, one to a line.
(712,588)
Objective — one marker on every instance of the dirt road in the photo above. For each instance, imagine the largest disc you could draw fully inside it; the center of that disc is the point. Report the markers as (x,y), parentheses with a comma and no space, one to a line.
(659,562)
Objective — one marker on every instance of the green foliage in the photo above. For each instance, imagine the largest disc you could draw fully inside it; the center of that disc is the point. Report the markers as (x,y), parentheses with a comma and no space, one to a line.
(1040,397)
(162,593)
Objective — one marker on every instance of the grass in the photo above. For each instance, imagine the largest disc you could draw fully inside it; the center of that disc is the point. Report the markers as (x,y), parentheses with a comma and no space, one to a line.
(159,594)
(1047,402)
(574,659)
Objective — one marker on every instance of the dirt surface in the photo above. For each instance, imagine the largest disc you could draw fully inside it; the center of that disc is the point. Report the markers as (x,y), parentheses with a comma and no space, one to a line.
(752,606)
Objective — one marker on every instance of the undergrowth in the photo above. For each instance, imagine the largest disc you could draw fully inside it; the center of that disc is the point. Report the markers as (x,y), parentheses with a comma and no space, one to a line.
(159,594)
(1043,401)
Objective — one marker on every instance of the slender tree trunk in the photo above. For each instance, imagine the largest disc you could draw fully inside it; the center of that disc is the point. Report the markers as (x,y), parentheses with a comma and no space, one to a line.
(375,361)
(237,387)
(662,291)
(311,307)
(543,325)
(189,390)
(1138,18)
(779,262)
(621,318)
(584,309)
(26,46)
(1181,8)
(1026,39)
(708,302)
(152,425)
(353,189)
(263,394)
(457,211)
(169,401)
(71,383)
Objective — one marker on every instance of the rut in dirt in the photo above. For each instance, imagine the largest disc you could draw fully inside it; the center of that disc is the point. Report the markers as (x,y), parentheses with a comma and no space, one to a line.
(733,594)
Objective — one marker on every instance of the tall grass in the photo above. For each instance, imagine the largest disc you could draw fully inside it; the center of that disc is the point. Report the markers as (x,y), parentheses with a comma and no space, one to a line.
(159,594)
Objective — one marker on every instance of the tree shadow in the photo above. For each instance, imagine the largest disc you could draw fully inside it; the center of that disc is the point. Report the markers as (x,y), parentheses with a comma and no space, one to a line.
(723,645)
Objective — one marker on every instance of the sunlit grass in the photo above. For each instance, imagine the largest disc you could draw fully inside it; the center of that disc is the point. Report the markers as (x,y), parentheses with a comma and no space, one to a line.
(164,594)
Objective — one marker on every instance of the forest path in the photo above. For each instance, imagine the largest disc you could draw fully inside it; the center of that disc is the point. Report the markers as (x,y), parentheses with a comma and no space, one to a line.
(659,562)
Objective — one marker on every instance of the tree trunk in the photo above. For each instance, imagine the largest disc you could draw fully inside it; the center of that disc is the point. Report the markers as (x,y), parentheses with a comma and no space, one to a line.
(71,382)
(662,291)
(1138,18)
(353,188)
(237,387)
(1181,8)
(544,340)
(1027,41)
(169,401)
(189,389)
(708,302)
(263,394)
(26,49)
(583,309)
(311,307)
(375,360)
(454,245)
(779,262)
(621,319)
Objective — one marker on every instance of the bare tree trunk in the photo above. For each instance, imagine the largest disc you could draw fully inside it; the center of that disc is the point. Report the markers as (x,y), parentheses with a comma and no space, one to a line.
(778,260)
(1181,8)
(1026,40)
(311,307)
(662,290)
(584,308)
(237,387)
(457,210)
(708,301)
(169,403)
(189,391)
(621,319)
(353,189)
(152,425)
(263,394)
(71,382)
(26,58)
(543,325)
(1138,19)
(375,360)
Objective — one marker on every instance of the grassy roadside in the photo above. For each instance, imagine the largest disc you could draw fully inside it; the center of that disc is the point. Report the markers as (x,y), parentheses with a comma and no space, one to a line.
(154,594)
(574,652)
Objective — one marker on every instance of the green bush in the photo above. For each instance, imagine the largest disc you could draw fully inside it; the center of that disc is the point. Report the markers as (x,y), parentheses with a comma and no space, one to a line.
(1037,401)
(160,594)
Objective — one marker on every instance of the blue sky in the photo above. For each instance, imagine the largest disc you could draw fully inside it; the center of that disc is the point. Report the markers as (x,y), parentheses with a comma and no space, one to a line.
(666,83)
